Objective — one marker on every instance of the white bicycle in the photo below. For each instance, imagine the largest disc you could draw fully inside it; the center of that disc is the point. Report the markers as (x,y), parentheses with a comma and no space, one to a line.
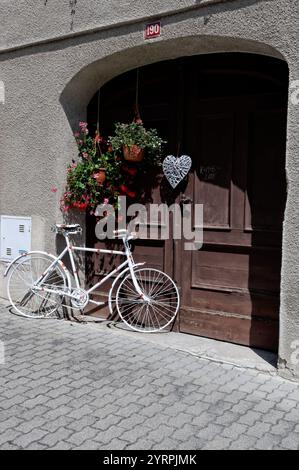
(146,299)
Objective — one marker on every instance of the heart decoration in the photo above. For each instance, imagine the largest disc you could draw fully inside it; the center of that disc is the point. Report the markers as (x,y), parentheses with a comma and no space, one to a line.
(175,169)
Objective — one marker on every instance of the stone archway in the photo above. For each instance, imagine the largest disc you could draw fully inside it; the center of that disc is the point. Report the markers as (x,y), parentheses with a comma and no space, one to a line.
(81,87)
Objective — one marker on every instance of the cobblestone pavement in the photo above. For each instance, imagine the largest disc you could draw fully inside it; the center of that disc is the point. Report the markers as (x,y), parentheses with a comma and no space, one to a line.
(75,386)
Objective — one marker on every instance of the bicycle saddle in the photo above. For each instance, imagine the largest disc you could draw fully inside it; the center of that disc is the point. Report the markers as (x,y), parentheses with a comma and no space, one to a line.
(67,228)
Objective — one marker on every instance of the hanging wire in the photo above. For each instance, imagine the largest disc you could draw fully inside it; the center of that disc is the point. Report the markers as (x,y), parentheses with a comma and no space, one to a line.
(98,122)
(137,114)
(98,111)
(178,149)
(137,87)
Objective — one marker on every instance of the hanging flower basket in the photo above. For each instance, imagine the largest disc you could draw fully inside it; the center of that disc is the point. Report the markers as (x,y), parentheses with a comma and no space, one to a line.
(136,143)
(133,153)
(106,170)
(100,176)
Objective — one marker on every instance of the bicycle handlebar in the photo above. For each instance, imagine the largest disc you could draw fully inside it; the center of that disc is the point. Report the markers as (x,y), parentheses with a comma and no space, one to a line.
(75,228)
(124,233)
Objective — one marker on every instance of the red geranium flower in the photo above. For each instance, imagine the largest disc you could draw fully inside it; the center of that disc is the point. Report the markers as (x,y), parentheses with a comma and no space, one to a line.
(81,206)
(124,188)
(132,171)
(131,194)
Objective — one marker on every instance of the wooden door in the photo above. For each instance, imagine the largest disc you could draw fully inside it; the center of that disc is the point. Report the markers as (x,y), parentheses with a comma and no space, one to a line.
(230,287)
(158,103)
(228,112)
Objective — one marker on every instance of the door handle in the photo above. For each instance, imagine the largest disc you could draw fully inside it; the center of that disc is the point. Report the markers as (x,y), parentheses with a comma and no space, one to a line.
(185,199)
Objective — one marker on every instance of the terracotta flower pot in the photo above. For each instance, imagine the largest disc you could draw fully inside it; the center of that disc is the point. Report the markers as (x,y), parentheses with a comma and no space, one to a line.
(101,175)
(133,153)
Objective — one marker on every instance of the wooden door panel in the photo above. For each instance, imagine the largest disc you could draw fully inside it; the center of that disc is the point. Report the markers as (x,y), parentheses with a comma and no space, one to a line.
(213,167)
(217,269)
(150,252)
(241,330)
(266,186)
(157,106)
(231,269)
(244,237)
(229,114)
(230,288)
(238,303)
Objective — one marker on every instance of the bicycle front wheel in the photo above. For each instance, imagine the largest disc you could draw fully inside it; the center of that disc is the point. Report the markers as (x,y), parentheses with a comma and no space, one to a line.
(27,301)
(156,308)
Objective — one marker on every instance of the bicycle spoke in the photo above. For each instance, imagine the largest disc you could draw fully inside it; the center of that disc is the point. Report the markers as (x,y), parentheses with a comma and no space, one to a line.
(159,306)
(24,298)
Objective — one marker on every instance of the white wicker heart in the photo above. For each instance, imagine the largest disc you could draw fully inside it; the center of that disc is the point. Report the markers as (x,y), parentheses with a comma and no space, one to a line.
(175,169)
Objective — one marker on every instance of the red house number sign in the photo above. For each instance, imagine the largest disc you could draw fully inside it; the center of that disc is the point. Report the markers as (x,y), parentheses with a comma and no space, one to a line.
(152,30)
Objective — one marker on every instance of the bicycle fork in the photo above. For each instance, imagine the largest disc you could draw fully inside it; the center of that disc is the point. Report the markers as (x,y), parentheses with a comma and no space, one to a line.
(131,265)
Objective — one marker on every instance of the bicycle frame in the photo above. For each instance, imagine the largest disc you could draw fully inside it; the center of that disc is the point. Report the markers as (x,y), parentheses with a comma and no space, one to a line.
(128,264)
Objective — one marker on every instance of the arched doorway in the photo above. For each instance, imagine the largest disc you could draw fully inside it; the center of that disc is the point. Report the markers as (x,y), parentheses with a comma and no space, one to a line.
(228,112)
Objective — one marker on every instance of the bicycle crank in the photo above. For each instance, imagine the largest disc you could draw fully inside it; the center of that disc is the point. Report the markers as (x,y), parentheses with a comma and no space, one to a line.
(79,298)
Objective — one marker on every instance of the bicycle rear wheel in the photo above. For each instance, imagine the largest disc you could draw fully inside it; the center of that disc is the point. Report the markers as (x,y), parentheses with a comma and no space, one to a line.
(156,308)
(22,276)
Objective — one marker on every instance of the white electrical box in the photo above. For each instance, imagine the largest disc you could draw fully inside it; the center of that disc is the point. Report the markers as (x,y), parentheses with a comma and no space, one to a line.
(15,233)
